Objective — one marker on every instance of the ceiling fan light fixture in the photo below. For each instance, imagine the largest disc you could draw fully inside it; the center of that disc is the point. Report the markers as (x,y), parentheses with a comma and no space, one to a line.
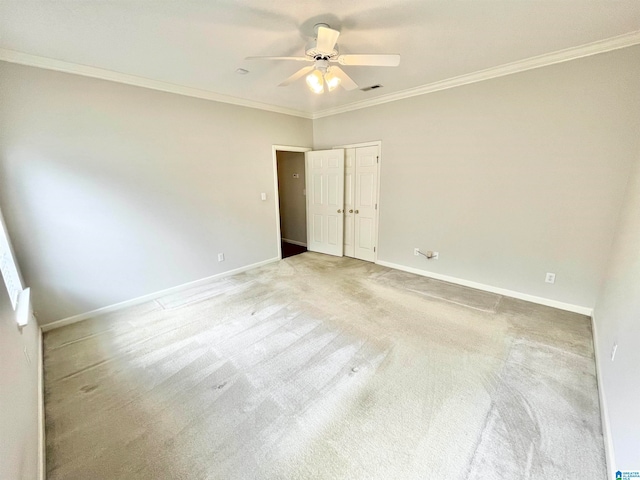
(315,82)
(332,81)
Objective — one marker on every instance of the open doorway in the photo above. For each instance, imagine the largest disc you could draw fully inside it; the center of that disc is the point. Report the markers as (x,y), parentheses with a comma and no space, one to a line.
(292,205)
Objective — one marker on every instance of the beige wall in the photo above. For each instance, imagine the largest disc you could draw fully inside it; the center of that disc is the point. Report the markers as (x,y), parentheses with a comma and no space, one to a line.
(18,395)
(19,421)
(617,320)
(293,204)
(111,192)
(509,178)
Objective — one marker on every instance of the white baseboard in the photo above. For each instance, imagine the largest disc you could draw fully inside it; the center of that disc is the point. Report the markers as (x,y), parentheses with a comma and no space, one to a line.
(294,242)
(604,411)
(152,296)
(42,444)
(489,288)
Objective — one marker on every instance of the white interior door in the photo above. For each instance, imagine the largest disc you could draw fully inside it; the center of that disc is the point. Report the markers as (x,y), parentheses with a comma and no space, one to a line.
(365,206)
(349,201)
(325,201)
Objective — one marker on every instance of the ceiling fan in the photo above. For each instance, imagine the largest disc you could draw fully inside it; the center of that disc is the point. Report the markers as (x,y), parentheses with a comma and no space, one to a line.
(323,52)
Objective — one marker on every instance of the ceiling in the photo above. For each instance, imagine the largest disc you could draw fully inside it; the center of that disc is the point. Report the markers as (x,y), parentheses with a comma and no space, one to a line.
(200,44)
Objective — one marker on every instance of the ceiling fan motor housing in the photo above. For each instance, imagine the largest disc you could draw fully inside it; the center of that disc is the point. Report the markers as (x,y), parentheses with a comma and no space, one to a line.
(313,52)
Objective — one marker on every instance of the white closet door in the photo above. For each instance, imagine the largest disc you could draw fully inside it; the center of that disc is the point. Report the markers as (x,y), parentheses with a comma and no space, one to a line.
(325,201)
(366,184)
(349,201)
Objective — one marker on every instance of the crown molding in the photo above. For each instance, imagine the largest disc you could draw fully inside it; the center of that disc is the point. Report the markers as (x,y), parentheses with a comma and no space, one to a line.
(27,59)
(560,56)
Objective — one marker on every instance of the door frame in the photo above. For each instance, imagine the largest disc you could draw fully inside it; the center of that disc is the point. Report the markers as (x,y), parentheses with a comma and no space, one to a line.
(276,195)
(377,143)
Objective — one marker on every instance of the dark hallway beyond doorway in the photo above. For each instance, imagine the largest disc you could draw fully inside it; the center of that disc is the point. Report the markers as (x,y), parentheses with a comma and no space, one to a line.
(289,249)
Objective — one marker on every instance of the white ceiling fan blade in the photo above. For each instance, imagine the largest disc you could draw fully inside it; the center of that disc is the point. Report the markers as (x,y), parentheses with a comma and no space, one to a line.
(370,60)
(297,59)
(327,38)
(300,73)
(345,80)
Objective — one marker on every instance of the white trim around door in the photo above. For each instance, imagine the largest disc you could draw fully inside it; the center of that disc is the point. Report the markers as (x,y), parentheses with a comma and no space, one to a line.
(274,151)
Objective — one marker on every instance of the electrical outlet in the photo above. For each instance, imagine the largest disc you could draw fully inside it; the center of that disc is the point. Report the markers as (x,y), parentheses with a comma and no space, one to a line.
(416,251)
(221,257)
(550,278)
(614,349)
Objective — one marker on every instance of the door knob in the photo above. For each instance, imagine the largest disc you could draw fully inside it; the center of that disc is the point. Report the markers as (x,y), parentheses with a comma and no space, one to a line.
(357,211)
(339,211)
(351,211)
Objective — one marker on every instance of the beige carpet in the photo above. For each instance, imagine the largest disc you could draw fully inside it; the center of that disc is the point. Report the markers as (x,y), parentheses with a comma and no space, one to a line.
(319,367)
